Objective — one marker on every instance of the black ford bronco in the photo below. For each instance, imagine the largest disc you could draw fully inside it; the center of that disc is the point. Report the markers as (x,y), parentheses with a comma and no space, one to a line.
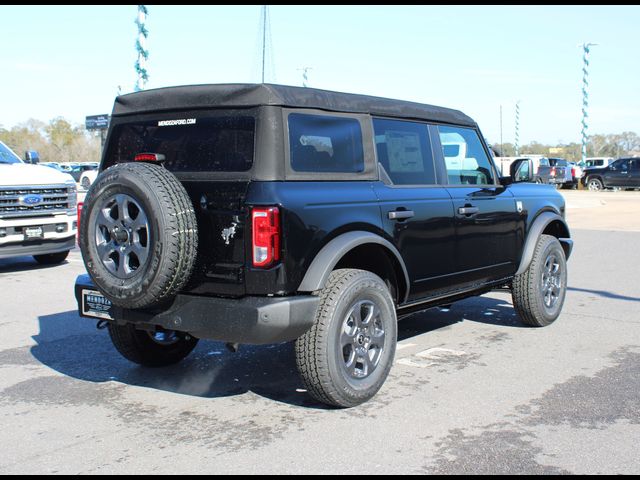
(255,214)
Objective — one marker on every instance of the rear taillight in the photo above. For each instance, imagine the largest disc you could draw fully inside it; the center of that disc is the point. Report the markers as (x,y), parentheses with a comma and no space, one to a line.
(80,205)
(573,172)
(149,157)
(266,236)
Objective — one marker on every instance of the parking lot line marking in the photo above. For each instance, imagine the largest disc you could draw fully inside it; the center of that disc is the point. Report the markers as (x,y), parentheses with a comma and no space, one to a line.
(439,353)
(410,363)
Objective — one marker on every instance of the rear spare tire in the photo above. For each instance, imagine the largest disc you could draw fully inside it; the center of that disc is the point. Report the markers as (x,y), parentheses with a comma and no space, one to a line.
(138,235)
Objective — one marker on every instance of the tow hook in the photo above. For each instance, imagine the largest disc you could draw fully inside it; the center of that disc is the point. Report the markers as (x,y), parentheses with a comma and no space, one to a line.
(102,324)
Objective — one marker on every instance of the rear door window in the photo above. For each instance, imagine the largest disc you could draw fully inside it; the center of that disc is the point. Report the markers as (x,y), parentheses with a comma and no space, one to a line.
(404,150)
(221,143)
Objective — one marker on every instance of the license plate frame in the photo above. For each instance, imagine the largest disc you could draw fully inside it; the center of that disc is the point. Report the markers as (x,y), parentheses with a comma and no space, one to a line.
(33,233)
(95,305)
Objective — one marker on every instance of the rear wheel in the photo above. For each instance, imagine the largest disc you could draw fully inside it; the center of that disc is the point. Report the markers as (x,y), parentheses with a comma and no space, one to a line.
(346,356)
(51,258)
(151,349)
(594,184)
(539,292)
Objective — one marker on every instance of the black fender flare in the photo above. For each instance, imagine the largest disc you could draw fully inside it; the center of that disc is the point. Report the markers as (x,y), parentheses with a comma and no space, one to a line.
(537,227)
(329,256)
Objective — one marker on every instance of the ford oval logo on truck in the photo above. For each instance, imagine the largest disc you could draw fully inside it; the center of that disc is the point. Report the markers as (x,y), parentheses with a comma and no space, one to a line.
(30,200)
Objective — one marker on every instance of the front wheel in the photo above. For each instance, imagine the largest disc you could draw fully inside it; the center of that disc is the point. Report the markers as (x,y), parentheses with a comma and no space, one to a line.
(595,184)
(346,356)
(51,258)
(151,349)
(538,293)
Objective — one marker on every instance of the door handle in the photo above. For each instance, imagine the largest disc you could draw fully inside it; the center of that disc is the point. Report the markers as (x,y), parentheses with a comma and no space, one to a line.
(401,214)
(468,210)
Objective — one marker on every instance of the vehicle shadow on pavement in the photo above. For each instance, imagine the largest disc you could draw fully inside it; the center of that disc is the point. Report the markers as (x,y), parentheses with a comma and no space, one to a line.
(603,293)
(74,347)
(487,310)
(24,264)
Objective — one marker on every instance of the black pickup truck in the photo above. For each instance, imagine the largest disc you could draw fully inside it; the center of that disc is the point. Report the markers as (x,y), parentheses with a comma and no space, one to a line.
(255,214)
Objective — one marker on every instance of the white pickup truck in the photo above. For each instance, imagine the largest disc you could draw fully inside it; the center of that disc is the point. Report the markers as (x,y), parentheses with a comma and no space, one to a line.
(37,210)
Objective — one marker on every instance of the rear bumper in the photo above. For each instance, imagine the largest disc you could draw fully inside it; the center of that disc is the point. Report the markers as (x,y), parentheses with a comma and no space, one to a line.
(248,320)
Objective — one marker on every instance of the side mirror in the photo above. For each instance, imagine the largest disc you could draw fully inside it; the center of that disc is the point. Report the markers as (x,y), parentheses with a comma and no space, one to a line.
(521,171)
(31,156)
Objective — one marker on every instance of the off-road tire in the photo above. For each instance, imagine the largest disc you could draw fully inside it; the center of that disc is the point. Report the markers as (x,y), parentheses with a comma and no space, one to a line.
(51,258)
(172,237)
(528,291)
(318,352)
(138,346)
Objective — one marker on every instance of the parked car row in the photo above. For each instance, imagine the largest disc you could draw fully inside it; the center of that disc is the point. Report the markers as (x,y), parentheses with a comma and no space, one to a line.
(554,171)
(79,171)
(620,173)
(595,174)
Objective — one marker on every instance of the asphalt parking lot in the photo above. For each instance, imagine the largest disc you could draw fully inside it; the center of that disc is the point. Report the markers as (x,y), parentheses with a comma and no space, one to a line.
(472,391)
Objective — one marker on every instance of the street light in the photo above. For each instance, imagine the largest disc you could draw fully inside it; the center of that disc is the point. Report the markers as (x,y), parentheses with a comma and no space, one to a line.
(517,146)
(305,75)
(141,48)
(585,96)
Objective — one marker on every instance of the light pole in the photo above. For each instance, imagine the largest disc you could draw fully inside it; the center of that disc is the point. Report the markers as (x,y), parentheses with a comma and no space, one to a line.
(305,76)
(141,48)
(585,96)
(517,145)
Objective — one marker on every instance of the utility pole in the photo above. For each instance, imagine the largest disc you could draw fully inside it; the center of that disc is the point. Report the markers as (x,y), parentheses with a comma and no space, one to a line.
(265,12)
(265,48)
(141,48)
(585,96)
(517,142)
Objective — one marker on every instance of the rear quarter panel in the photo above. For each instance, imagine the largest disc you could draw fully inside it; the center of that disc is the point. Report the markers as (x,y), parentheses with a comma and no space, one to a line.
(312,214)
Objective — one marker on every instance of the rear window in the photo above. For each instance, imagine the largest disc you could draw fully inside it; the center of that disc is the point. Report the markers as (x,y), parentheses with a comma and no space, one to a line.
(323,143)
(214,144)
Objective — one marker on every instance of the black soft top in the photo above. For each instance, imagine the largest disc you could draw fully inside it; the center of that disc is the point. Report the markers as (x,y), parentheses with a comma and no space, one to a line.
(191,97)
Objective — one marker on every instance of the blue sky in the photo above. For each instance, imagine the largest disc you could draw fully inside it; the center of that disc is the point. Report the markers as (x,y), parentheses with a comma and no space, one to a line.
(69,61)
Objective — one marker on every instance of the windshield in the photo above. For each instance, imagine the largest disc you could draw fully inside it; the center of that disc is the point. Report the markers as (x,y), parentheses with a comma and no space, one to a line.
(7,156)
